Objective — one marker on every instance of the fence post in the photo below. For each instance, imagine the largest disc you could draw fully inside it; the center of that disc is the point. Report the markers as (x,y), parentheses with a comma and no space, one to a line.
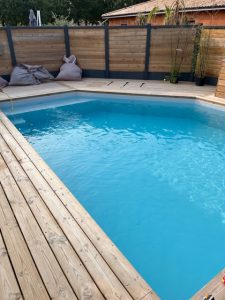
(106,51)
(147,52)
(67,40)
(11,46)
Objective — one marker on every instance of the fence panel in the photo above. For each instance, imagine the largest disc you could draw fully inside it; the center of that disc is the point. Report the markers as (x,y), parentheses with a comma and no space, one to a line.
(39,46)
(216,52)
(5,58)
(89,47)
(164,42)
(127,49)
(220,90)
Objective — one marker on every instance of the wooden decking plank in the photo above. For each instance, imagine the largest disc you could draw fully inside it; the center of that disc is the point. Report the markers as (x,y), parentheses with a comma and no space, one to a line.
(9,288)
(51,273)
(106,280)
(215,287)
(27,275)
(130,278)
(75,271)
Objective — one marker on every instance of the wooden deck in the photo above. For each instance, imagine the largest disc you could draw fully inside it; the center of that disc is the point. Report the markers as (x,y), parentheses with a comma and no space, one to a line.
(50,247)
(215,287)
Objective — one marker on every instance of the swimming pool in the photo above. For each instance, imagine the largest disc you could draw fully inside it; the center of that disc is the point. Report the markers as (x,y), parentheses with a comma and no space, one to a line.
(151,173)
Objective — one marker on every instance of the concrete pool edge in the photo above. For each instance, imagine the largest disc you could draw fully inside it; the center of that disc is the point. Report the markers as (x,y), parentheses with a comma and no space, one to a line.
(123,271)
(131,87)
(210,99)
(199,100)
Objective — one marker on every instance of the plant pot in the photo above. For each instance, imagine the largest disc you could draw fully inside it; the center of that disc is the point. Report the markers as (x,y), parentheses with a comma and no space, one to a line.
(200,81)
(174,79)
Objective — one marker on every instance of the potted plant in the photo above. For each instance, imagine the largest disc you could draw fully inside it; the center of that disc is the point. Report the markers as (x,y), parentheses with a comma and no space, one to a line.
(177,57)
(202,58)
(174,76)
(181,38)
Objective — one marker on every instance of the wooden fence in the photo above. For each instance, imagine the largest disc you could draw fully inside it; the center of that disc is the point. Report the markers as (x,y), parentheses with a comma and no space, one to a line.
(220,90)
(138,52)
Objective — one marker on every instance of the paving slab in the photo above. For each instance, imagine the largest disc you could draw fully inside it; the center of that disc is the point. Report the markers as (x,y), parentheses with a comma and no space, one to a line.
(3,96)
(15,92)
(125,86)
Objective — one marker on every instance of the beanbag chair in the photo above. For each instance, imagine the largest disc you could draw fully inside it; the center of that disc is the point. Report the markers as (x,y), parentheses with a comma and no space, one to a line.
(69,71)
(3,83)
(29,75)
(21,76)
(39,72)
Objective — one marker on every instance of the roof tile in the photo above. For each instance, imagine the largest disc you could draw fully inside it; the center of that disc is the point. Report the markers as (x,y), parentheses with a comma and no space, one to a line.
(147,6)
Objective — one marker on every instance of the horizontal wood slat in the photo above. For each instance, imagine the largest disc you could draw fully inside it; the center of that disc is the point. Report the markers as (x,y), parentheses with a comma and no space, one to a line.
(84,44)
(5,58)
(164,43)
(39,47)
(124,58)
(127,48)
(216,52)
(220,90)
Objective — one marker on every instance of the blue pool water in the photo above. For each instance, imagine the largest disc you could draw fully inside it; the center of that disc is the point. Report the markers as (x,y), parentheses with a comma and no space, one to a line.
(151,173)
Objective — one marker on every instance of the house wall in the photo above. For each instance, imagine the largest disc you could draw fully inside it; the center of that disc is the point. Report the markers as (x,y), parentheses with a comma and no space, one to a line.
(206,18)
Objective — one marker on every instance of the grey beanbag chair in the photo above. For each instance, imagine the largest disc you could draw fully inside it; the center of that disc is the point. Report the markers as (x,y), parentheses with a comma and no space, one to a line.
(29,75)
(3,83)
(40,73)
(69,71)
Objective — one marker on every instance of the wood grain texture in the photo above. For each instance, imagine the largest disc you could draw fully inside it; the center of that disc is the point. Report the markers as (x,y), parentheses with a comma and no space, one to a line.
(215,287)
(52,275)
(39,46)
(164,43)
(5,58)
(28,277)
(9,289)
(216,51)
(220,89)
(127,49)
(78,276)
(89,48)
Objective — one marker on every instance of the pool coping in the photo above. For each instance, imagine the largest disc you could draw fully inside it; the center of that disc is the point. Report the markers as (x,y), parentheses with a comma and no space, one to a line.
(66,87)
(208,99)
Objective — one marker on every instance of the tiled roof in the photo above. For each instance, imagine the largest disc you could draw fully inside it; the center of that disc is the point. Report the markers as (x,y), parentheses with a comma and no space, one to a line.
(147,6)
